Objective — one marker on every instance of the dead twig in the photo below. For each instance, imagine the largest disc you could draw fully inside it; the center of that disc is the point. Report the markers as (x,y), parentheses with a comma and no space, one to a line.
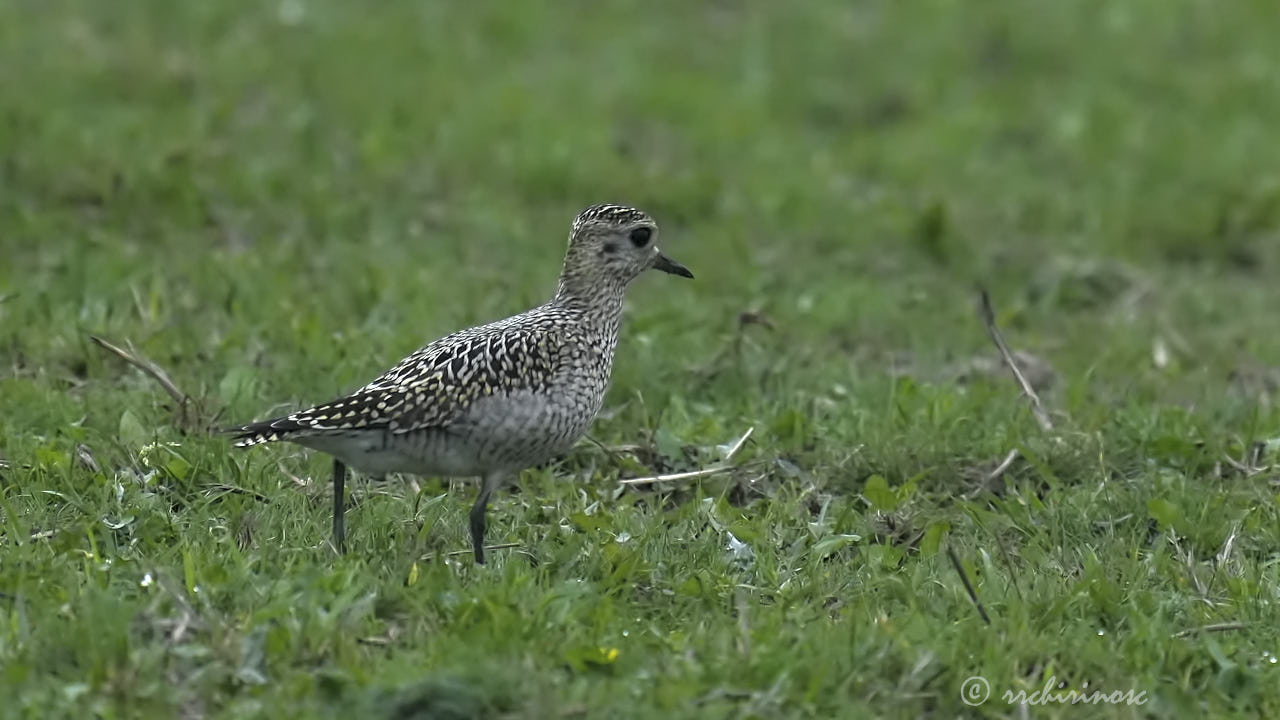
(690,475)
(1238,466)
(705,472)
(1003,466)
(1214,627)
(468,551)
(155,372)
(996,473)
(722,467)
(737,445)
(989,320)
(1252,464)
(968,586)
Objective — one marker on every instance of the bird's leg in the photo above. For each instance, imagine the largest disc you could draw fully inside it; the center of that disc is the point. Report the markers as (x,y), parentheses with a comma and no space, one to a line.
(478,523)
(488,484)
(339,506)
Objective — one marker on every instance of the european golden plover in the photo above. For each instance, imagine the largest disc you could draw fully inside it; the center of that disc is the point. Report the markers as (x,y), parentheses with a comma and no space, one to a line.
(492,400)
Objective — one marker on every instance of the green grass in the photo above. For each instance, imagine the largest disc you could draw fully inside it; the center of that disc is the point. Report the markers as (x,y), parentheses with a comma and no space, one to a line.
(275,201)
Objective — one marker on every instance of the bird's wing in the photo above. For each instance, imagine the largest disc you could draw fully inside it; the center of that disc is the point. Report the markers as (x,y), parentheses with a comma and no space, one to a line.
(359,410)
(446,377)
(431,387)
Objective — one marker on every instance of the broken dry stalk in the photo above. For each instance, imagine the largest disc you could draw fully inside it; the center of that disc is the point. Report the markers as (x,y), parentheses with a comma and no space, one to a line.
(1003,466)
(717,469)
(705,472)
(738,444)
(1215,627)
(468,551)
(989,319)
(155,372)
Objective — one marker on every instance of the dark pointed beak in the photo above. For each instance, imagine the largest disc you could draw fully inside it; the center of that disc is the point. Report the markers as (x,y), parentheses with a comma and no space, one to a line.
(667,265)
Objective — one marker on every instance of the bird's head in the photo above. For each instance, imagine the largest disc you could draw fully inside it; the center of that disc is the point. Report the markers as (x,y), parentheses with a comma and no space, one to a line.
(612,244)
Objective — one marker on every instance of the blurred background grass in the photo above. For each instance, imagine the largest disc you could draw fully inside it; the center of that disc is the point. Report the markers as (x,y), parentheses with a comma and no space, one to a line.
(314,160)
(274,201)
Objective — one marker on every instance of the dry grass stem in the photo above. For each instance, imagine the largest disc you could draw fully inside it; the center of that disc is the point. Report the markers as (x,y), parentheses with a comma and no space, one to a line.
(737,445)
(1003,466)
(989,320)
(705,472)
(155,372)
(1211,628)
(717,469)
(468,551)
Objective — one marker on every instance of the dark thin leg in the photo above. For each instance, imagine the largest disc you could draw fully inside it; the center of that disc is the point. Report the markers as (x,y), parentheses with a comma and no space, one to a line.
(339,506)
(478,521)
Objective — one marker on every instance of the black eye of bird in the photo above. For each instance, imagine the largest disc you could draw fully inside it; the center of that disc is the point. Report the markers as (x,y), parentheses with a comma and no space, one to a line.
(640,236)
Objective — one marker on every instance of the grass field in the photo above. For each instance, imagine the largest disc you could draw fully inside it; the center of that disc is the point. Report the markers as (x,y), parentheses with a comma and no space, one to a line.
(274,201)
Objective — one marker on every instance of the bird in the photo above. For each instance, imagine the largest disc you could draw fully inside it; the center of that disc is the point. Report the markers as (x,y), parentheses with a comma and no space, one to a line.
(494,399)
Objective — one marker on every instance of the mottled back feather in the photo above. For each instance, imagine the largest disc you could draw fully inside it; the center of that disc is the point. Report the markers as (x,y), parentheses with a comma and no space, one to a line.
(435,384)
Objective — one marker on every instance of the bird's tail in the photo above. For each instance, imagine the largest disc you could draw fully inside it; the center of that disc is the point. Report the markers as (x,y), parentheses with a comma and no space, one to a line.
(263,432)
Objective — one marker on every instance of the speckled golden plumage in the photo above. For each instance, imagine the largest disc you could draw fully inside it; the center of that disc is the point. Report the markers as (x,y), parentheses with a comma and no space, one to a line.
(493,399)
